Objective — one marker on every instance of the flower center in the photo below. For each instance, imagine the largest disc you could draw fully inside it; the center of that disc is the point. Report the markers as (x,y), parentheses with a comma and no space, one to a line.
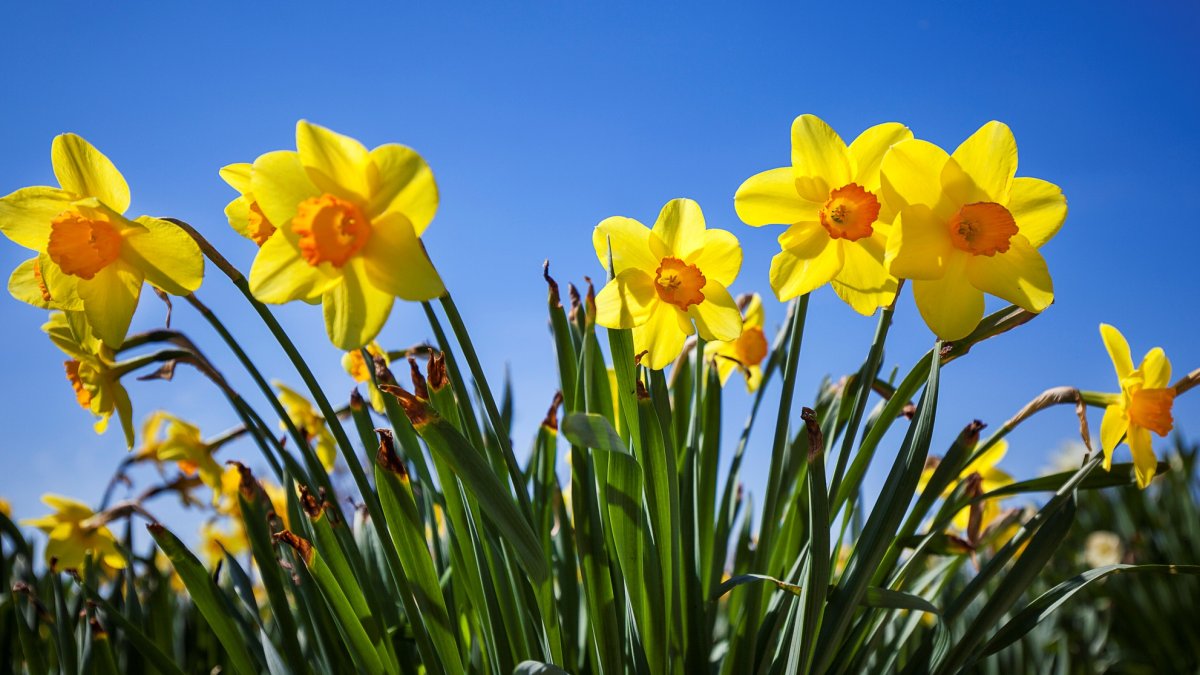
(751,346)
(82,243)
(850,212)
(1151,409)
(679,283)
(331,230)
(260,229)
(81,392)
(982,228)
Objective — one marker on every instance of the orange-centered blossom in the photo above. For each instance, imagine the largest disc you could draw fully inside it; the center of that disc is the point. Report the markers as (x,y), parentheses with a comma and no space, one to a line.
(257,225)
(83,242)
(1151,408)
(850,212)
(982,228)
(331,229)
(751,346)
(679,283)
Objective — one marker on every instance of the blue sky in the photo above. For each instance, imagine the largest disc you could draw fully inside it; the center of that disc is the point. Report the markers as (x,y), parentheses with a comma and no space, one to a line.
(541,119)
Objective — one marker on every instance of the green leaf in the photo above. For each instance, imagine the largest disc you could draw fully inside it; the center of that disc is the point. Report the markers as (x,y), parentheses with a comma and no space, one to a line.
(592,431)
(883,598)
(537,668)
(1121,474)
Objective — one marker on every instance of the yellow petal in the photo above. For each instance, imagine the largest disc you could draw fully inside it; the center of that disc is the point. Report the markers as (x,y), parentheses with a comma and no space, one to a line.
(403,182)
(679,229)
(166,255)
(28,284)
(718,317)
(770,198)
(951,306)
(1113,427)
(1118,350)
(754,315)
(820,158)
(1145,463)
(719,257)
(809,260)
(988,459)
(1018,275)
(918,246)
(25,214)
(630,242)
(1156,368)
(124,410)
(238,214)
(280,184)
(662,336)
(84,171)
(1038,207)
(280,275)
(867,152)
(863,282)
(989,157)
(355,311)
(911,173)
(335,163)
(239,177)
(396,261)
(109,299)
(627,300)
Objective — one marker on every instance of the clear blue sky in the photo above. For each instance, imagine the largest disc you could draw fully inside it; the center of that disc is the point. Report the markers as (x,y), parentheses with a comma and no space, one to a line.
(542,119)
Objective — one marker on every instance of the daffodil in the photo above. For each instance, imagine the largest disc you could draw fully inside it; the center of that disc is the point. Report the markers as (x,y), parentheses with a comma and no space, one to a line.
(991,479)
(966,226)
(347,233)
(1144,404)
(166,438)
(216,541)
(73,534)
(307,419)
(245,215)
(837,220)
(90,256)
(358,368)
(668,278)
(225,497)
(91,370)
(5,508)
(746,353)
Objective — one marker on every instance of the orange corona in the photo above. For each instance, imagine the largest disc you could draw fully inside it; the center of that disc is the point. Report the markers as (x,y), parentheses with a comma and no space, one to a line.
(679,283)
(850,213)
(331,230)
(982,228)
(83,241)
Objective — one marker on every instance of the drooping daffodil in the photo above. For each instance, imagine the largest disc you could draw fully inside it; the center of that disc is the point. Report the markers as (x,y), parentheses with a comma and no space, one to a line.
(217,540)
(667,278)
(837,220)
(967,226)
(73,534)
(92,371)
(307,419)
(348,223)
(991,478)
(1144,404)
(90,257)
(166,438)
(746,353)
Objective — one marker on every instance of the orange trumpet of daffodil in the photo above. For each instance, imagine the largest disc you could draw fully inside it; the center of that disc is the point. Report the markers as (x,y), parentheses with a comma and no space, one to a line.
(244,214)
(837,221)
(747,352)
(966,226)
(666,278)
(347,226)
(1144,404)
(92,258)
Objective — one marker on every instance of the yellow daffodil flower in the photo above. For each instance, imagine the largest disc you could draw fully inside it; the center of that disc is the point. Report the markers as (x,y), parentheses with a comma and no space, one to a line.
(91,372)
(225,497)
(965,226)
(838,224)
(347,230)
(5,508)
(73,536)
(166,438)
(216,541)
(666,278)
(358,368)
(747,352)
(244,214)
(1144,404)
(90,256)
(307,419)
(992,478)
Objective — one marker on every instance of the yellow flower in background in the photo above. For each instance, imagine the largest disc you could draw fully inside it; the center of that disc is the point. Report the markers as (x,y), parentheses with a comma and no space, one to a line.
(166,438)
(307,419)
(747,352)
(91,372)
(5,508)
(666,278)
(838,224)
(72,536)
(992,478)
(225,496)
(347,233)
(1103,548)
(216,541)
(965,226)
(358,368)
(1144,404)
(244,214)
(92,258)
